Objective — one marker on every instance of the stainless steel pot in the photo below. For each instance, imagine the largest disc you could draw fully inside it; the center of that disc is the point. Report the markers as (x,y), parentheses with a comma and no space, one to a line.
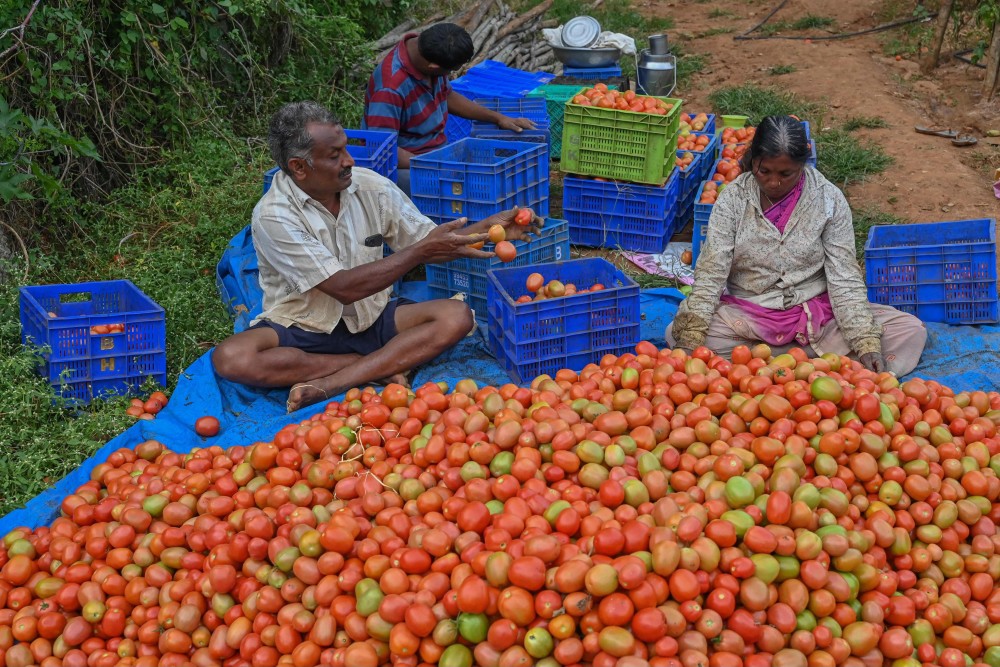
(606,57)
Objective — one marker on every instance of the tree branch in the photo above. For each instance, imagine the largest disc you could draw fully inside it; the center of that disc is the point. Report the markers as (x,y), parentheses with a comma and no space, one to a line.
(19,29)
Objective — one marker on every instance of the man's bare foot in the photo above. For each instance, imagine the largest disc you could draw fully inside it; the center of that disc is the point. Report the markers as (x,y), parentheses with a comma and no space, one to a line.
(302,395)
(399,378)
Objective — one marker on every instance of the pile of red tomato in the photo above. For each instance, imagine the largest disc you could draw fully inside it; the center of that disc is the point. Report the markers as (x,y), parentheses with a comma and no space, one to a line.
(655,509)
(601,96)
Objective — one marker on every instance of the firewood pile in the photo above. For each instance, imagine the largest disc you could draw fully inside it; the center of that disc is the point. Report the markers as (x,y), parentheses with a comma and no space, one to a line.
(498,33)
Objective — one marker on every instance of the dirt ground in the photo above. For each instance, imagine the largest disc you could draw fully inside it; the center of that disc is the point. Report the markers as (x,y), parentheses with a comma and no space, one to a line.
(931,180)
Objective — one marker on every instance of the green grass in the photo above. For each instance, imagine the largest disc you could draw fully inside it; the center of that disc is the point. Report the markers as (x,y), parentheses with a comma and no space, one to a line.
(712,32)
(864,123)
(779,70)
(169,228)
(757,102)
(807,22)
(687,66)
(845,160)
(865,219)
(720,13)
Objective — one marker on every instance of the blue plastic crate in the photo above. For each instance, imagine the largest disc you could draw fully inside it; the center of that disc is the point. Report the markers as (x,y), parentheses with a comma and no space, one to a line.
(468,276)
(702,212)
(593,73)
(82,365)
(494,79)
(476,178)
(638,218)
(685,216)
(514,107)
(237,277)
(709,126)
(690,177)
(456,128)
(371,149)
(939,271)
(541,337)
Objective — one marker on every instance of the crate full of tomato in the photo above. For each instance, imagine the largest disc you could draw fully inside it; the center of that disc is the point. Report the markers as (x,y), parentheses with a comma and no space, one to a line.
(564,315)
(95,338)
(620,135)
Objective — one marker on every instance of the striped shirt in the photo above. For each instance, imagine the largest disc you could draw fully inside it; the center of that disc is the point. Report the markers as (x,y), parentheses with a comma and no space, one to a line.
(300,244)
(402,100)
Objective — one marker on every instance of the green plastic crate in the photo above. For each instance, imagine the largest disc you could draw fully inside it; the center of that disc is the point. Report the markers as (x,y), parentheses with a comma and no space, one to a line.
(556,96)
(623,145)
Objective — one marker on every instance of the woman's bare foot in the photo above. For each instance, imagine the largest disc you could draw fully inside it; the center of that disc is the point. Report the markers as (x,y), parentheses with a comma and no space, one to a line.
(302,395)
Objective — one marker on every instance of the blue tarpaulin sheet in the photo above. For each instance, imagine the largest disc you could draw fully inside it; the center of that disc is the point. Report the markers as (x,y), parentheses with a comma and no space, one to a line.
(960,357)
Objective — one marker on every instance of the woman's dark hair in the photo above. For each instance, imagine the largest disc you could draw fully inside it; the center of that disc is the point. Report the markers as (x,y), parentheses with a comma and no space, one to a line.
(778,135)
(446,45)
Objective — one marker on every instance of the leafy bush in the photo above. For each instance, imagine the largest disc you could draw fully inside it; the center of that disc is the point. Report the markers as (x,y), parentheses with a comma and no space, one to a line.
(109,83)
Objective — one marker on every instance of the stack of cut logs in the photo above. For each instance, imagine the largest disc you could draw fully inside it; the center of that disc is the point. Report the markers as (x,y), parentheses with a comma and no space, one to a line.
(498,33)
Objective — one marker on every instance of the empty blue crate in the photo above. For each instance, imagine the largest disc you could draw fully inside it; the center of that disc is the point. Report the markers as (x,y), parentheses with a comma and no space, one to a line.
(94,338)
(491,78)
(476,178)
(468,276)
(519,107)
(371,149)
(595,74)
(456,128)
(633,217)
(938,271)
(540,337)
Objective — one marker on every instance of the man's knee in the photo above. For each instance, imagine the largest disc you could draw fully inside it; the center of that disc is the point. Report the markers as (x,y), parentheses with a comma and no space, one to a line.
(228,360)
(456,321)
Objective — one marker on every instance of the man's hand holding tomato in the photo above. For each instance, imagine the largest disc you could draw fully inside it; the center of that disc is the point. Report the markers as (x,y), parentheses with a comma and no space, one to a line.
(453,239)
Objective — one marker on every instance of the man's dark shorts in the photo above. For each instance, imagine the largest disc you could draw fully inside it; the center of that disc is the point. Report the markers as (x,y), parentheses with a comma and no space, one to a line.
(340,340)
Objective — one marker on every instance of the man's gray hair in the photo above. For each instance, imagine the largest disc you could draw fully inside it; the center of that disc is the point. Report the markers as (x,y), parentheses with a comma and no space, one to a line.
(288,136)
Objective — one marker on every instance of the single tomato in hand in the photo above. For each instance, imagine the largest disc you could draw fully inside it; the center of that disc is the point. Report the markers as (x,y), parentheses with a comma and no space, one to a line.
(497,234)
(207,427)
(506,251)
(524,217)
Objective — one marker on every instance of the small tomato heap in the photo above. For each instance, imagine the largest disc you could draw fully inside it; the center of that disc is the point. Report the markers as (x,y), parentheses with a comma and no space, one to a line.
(689,123)
(655,509)
(684,161)
(149,408)
(103,329)
(600,96)
(691,142)
(540,290)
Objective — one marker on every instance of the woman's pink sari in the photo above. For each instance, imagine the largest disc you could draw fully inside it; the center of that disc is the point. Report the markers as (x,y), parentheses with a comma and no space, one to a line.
(781,327)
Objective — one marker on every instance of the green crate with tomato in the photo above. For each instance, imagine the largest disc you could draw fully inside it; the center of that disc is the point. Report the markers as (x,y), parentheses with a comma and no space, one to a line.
(556,96)
(621,136)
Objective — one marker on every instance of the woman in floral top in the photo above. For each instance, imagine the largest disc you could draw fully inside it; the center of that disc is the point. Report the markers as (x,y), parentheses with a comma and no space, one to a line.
(778,266)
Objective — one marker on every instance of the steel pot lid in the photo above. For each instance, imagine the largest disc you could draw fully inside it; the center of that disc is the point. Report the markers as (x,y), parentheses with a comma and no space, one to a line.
(581,32)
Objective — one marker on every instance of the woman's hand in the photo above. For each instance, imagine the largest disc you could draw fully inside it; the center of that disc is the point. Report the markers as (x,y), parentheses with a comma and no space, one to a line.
(874,361)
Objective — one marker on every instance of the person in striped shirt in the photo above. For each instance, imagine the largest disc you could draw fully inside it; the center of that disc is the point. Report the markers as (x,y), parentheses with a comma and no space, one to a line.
(408,93)
(328,323)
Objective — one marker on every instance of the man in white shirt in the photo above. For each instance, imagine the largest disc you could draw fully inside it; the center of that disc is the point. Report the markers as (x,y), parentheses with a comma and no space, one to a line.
(328,323)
